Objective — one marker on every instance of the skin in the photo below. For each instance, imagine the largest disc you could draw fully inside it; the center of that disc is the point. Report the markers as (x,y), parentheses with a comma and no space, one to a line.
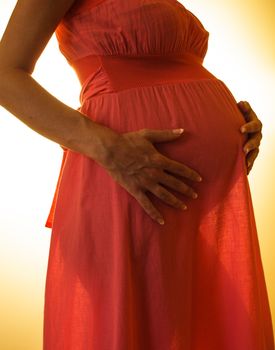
(253,128)
(130,158)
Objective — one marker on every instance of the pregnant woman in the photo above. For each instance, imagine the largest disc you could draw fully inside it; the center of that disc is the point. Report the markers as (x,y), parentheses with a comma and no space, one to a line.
(118,278)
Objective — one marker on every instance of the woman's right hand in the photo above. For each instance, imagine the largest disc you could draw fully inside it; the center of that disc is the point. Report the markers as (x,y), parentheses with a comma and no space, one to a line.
(138,167)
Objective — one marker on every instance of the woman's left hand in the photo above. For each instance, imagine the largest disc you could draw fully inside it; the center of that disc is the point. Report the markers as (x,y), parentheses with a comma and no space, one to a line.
(254,128)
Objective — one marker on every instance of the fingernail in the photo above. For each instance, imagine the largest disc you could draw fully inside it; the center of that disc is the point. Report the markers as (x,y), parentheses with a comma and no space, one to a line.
(199,178)
(243,129)
(178,131)
(183,206)
(161,221)
(246,150)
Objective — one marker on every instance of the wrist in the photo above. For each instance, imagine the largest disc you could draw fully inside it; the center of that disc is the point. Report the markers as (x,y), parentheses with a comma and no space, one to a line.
(95,140)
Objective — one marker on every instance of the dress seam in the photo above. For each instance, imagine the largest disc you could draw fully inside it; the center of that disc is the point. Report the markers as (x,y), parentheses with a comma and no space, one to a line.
(175,82)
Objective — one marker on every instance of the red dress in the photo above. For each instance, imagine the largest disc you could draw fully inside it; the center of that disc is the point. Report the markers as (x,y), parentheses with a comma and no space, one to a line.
(116,279)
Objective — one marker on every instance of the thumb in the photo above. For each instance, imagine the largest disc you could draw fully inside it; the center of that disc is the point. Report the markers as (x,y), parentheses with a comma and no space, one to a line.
(161,135)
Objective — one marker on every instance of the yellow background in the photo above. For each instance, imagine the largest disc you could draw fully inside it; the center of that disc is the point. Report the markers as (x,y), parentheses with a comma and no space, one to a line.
(241,52)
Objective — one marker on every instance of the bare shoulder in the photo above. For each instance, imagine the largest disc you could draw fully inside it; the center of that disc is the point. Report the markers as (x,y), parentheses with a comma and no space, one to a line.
(28,31)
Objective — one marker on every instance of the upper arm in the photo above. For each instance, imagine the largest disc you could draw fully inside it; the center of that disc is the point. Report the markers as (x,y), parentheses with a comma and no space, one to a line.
(28,31)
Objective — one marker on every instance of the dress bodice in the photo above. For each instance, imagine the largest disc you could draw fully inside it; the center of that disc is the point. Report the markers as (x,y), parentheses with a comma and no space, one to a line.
(130,27)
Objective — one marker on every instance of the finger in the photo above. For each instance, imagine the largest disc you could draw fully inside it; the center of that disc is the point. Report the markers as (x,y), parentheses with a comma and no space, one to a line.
(249,169)
(252,126)
(248,112)
(166,196)
(251,115)
(251,144)
(251,157)
(160,135)
(149,208)
(176,185)
(178,168)
(244,107)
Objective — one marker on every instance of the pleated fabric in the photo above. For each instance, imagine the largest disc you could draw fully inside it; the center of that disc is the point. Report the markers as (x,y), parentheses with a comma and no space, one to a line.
(116,279)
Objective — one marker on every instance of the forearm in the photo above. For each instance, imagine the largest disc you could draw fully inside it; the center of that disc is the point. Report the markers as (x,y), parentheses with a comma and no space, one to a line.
(26,99)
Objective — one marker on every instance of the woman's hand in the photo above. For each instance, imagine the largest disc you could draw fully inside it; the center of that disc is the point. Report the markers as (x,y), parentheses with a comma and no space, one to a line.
(138,167)
(253,127)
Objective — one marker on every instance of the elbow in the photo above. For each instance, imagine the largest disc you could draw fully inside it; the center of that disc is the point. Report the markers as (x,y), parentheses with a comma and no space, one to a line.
(9,79)
(4,80)
(4,70)
(7,71)
(8,66)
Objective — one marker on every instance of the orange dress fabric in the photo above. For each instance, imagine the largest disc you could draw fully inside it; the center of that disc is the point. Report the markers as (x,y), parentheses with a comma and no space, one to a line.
(116,279)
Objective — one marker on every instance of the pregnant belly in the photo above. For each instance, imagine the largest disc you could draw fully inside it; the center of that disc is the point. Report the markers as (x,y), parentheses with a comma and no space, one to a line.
(211,143)
(205,108)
